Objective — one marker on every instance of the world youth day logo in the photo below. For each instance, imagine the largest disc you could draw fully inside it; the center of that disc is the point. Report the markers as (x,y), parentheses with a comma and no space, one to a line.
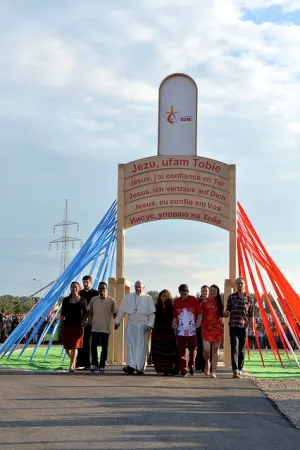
(171,115)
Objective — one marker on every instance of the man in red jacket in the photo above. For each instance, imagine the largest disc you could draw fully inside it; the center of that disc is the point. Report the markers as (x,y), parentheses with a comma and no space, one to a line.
(186,311)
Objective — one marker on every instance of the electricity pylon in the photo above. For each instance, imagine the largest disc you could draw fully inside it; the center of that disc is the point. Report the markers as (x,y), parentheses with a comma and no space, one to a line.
(65,239)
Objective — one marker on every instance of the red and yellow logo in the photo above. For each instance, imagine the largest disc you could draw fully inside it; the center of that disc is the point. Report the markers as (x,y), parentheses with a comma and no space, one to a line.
(171,116)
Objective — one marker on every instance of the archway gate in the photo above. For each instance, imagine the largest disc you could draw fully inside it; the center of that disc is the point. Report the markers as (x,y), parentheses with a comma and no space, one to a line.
(175,184)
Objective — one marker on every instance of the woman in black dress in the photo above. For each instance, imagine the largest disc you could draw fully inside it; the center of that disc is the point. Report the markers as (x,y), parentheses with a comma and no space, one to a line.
(73,314)
(163,346)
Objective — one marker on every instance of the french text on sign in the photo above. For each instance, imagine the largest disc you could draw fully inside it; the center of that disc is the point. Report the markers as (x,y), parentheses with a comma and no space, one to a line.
(176,177)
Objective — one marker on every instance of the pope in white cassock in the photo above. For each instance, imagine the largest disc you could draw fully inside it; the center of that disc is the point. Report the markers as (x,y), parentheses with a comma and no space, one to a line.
(140,309)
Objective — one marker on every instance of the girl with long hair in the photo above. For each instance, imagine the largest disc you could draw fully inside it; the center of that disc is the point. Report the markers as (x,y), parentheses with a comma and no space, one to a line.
(212,312)
(73,314)
(163,345)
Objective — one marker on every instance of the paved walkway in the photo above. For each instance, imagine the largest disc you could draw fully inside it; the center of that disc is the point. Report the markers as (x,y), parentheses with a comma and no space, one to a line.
(115,411)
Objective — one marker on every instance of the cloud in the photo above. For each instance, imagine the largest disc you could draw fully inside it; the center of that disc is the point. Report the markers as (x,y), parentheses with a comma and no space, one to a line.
(291,247)
(288,5)
(174,264)
(79,95)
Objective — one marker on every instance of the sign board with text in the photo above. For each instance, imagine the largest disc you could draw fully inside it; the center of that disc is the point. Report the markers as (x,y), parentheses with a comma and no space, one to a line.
(177,187)
(177,184)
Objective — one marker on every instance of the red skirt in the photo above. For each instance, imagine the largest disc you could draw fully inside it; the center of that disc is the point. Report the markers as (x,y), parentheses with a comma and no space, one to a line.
(212,332)
(72,337)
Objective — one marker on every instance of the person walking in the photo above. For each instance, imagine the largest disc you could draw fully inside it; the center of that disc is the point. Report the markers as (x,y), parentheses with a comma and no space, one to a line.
(84,353)
(200,362)
(163,345)
(101,310)
(71,326)
(140,309)
(186,311)
(211,315)
(240,310)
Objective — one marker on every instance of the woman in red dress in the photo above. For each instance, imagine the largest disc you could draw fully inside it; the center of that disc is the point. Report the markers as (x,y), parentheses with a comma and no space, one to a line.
(73,314)
(212,312)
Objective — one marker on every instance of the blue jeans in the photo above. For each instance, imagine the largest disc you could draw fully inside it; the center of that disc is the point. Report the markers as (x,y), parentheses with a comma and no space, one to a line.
(261,342)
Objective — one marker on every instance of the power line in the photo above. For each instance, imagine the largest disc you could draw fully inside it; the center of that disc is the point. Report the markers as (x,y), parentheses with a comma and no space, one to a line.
(65,239)
(30,296)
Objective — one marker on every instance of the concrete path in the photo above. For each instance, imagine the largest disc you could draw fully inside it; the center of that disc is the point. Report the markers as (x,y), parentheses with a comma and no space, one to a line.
(115,411)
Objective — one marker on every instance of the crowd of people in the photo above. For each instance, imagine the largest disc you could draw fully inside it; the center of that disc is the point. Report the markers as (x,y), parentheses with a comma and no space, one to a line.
(8,323)
(164,330)
(262,334)
(172,327)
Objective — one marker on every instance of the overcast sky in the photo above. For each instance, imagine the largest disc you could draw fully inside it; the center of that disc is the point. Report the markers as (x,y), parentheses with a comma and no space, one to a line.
(79,89)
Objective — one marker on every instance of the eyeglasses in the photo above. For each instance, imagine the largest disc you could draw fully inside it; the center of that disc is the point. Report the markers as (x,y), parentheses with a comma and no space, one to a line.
(184,290)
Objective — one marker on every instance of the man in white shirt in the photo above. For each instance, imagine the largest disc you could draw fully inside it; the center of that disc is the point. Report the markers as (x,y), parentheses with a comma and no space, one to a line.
(140,309)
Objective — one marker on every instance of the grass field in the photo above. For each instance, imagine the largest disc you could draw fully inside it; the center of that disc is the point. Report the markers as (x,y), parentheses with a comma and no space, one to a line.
(54,360)
(273,367)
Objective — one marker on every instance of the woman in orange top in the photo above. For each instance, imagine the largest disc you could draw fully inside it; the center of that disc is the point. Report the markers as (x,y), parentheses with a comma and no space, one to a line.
(212,311)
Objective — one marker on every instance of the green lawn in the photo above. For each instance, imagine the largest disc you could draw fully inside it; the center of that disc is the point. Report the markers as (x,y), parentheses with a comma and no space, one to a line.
(54,360)
(273,368)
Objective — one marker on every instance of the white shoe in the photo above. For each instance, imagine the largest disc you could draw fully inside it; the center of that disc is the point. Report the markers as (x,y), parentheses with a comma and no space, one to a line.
(213,375)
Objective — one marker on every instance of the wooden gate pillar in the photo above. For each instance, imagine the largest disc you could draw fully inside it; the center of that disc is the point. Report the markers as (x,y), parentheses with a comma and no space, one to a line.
(123,288)
(226,344)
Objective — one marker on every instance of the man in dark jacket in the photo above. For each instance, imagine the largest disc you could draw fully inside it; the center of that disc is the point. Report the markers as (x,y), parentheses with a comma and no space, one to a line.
(84,354)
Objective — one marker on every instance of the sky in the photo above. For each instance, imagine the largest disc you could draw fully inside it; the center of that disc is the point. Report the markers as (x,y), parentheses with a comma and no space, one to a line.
(79,94)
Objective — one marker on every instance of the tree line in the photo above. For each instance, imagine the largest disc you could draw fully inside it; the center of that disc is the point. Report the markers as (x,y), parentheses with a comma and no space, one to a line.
(8,301)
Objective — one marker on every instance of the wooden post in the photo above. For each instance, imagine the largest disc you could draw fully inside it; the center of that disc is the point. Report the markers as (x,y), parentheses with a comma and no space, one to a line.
(127,291)
(123,288)
(230,283)
(112,290)
(120,256)
(122,285)
(226,344)
(232,231)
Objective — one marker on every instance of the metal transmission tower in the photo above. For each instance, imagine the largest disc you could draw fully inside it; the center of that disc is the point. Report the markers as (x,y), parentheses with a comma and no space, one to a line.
(65,239)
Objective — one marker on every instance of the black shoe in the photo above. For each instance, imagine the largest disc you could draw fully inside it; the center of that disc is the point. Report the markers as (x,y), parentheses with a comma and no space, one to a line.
(87,368)
(183,373)
(129,370)
(192,372)
(139,372)
(175,372)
